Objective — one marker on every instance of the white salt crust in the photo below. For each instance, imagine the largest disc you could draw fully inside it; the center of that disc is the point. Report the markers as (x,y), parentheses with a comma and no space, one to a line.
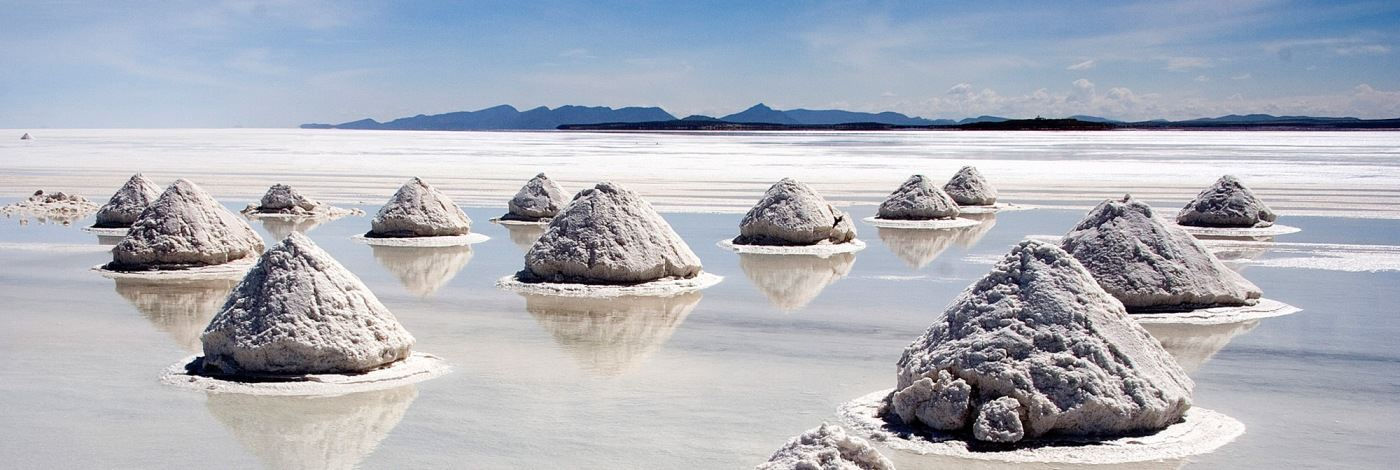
(1272,230)
(230,270)
(1265,308)
(660,288)
(107,231)
(414,369)
(934,224)
(822,250)
(541,222)
(992,209)
(1201,431)
(448,240)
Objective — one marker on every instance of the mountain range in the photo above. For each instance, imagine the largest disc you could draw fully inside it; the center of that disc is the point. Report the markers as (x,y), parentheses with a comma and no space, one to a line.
(506,117)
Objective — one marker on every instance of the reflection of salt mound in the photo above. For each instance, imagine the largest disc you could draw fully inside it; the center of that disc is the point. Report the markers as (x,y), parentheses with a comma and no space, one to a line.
(1193,345)
(540,198)
(968,188)
(524,236)
(966,237)
(419,210)
(59,207)
(423,270)
(791,282)
(609,235)
(1034,348)
(826,448)
(791,213)
(916,247)
(298,311)
(312,433)
(918,199)
(1227,203)
(1150,265)
(281,227)
(128,202)
(182,308)
(611,335)
(184,227)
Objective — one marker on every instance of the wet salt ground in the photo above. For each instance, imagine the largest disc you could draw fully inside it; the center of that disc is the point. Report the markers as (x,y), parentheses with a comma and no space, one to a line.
(718,380)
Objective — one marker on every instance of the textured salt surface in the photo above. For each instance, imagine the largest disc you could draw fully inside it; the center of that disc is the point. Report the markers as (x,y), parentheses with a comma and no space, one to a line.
(662,287)
(230,270)
(917,199)
(1270,231)
(540,199)
(826,447)
(825,249)
(1265,308)
(791,282)
(611,336)
(185,228)
(968,188)
(414,369)
(792,213)
(58,207)
(438,241)
(418,209)
(1227,203)
(1200,431)
(127,203)
(935,224)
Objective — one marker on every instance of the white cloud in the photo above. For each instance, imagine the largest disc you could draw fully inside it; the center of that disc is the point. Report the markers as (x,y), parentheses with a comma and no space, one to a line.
(1085,65)
(1178,64)
(1363,49)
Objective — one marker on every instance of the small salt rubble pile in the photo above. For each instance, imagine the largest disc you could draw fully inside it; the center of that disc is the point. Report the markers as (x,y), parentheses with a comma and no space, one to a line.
(184,229)
(826,447)
(968,188)
(1153,266)
(419,214)
(537,202)
(59,207)
(918,203)
(792,218)
(608,241)
(281,200)
(1036,354)
(301,318)
(127,203)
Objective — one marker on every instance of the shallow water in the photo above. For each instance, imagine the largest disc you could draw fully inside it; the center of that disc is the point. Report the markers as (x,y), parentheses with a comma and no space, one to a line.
(718,379)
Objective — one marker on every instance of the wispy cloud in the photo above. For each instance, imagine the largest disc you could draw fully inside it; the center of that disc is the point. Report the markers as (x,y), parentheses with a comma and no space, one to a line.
(1085,65)
(1179,64)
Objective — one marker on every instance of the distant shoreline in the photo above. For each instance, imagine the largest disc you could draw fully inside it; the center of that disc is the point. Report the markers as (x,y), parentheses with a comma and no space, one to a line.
(1008,125)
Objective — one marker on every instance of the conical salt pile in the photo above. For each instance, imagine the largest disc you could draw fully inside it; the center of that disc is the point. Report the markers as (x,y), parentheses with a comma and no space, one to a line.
(1037,347)
(540,198)
(609,235)
(25,136)
(419,210)
(282,198)
(791,213)
(918,199)
(826,447)
(1151,265)
(1227,203)
(128,202)
(969,188)
(298,311)
(185,227)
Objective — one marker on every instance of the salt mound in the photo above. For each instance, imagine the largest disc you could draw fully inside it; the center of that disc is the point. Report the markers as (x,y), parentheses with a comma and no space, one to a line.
(791,213)
(298,311)
(419,210)
(969,188)
(826,447)
(126,205)
(918,199)
(1035,348)
(792,282)
(609,235)
(281,198)
(1149,264)
(184,227)
(540,198)
(610,336)
(1227,203)
(25,136)
(321,433)
(59,207)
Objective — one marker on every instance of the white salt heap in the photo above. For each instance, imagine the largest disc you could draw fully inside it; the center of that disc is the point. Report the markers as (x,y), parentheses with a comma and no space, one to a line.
(826,447)
(184,227)
(1227,203)
(609,235)
(1037,348)
(298,311)
(128,202)
(918,199)
(969,188)
(540,198)
(1149,264)
(419,210)
(282,199)
(791,213)
(59,207)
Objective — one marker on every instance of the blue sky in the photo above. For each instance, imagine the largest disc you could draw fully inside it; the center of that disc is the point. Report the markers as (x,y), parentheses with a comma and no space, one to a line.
(262,63)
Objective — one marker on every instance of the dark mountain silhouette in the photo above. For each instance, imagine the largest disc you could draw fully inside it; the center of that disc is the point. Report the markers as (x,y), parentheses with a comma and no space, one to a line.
(507,117)
(698,117)
(1086,118)
(760,114)
(983,118)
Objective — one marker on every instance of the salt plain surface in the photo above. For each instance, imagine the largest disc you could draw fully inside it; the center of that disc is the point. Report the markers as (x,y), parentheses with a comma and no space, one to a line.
(1315,389)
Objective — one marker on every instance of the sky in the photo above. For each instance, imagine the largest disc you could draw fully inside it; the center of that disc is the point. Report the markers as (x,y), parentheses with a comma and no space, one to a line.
(268,63)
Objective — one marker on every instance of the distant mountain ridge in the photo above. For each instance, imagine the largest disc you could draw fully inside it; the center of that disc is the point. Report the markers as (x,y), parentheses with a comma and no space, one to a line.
(506,117)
